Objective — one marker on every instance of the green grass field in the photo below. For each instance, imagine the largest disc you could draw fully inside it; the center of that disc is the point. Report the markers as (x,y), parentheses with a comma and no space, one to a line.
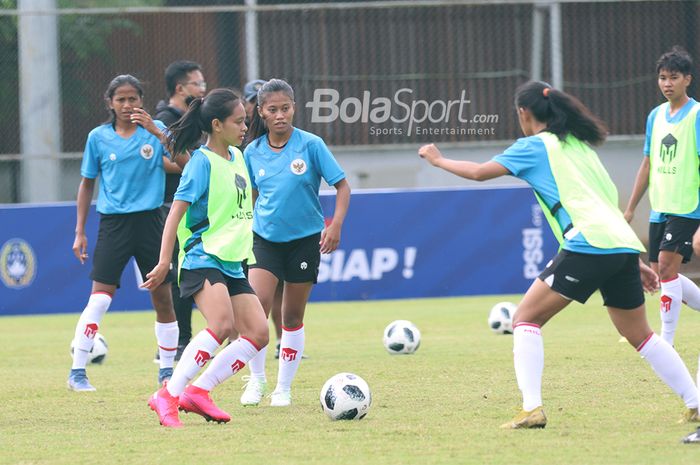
(442,405)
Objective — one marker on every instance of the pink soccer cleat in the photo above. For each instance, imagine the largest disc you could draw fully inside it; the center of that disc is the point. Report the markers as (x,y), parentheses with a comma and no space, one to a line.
(165,407)
(197,400)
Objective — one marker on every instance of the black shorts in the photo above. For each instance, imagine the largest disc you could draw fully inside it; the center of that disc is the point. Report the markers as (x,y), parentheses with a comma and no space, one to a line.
(175,262)
(656,234)
(678,236)
(121,237)
(192,281)
(295,261)
(577,276)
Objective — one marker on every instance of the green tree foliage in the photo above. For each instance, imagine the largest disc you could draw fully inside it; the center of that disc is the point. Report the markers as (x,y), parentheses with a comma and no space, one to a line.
(83,38)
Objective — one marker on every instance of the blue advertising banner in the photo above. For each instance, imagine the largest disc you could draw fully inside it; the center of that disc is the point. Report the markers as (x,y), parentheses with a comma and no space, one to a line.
(394,244)
(432,243)
(38,271)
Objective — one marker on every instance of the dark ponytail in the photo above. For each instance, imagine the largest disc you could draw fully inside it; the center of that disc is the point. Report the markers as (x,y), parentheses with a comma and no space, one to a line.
(562,113)
(258,127)
(187,131)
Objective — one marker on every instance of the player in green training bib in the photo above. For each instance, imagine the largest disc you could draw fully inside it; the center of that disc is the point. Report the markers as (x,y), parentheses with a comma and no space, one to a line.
(670,170)
(212,213)
(599,250)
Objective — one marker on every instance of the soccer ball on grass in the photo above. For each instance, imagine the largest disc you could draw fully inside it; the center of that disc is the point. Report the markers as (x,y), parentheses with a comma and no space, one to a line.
(346,397)
(98,352)
(401,337)
(501,318)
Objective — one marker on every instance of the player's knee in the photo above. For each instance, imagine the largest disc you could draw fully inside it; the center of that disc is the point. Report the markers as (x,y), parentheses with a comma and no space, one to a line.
(162,298)
(259,336)
(292,321)
(221,327)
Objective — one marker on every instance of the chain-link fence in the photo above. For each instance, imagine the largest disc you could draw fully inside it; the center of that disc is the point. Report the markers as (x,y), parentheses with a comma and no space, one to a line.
(366,73)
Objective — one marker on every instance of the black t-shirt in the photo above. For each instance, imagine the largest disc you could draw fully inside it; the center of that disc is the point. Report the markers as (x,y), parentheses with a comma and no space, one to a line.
(168,115)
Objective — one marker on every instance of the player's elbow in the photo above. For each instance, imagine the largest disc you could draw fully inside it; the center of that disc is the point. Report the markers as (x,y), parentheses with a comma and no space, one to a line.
(480,174)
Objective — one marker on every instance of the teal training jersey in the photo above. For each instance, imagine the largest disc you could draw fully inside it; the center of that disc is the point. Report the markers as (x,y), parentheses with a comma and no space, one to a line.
(132,178)
(288,206)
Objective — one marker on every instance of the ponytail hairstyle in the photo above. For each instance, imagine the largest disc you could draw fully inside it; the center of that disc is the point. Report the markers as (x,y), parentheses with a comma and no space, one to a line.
(562,113)
(187,131)
(258,127)
(116,83)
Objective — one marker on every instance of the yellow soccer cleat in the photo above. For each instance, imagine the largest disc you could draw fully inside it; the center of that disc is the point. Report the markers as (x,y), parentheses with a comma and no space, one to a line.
(534,418)
(690,416)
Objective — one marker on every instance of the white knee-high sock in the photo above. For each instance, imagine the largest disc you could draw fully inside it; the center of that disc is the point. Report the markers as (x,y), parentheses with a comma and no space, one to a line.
(167,335)
(88,324)
(194,357)
(691,293)
(668,366)
(227,363)
(528,358)
(257,365)
(291,350)
(671,297)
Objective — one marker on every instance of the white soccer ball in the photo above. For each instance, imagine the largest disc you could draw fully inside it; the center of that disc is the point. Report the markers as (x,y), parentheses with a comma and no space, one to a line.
(401,337)
(346,397)
(501,317)
(98,352)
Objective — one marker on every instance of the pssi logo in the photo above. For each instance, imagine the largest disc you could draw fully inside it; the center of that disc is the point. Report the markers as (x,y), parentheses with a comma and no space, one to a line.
(533,255)
(532,252)
(17,264)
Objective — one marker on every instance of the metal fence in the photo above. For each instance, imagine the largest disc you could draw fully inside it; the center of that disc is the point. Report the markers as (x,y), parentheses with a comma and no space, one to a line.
(365,73)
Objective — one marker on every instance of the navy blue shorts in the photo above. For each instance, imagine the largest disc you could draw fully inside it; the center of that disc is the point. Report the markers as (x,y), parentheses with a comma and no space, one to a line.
(577,276)
(192,281)
(295,261)
(656,235)
(123,236)
(678,236)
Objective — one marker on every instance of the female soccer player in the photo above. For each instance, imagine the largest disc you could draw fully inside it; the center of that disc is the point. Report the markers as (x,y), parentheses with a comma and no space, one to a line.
(127,154)
(286,165)
(599,249)
(214,210)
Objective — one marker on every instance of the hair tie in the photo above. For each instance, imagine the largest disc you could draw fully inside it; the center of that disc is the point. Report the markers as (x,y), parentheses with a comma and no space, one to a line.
(545,92)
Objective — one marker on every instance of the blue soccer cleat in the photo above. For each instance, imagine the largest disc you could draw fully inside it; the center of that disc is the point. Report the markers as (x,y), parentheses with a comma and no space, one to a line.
(78,381)
(164,374)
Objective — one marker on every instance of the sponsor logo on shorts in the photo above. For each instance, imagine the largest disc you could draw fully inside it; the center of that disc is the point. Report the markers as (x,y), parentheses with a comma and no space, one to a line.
(147,151)
(669,236)
(571,279)
(261,172)
(304,265)
(17,264)
(298,166)
(112,156)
